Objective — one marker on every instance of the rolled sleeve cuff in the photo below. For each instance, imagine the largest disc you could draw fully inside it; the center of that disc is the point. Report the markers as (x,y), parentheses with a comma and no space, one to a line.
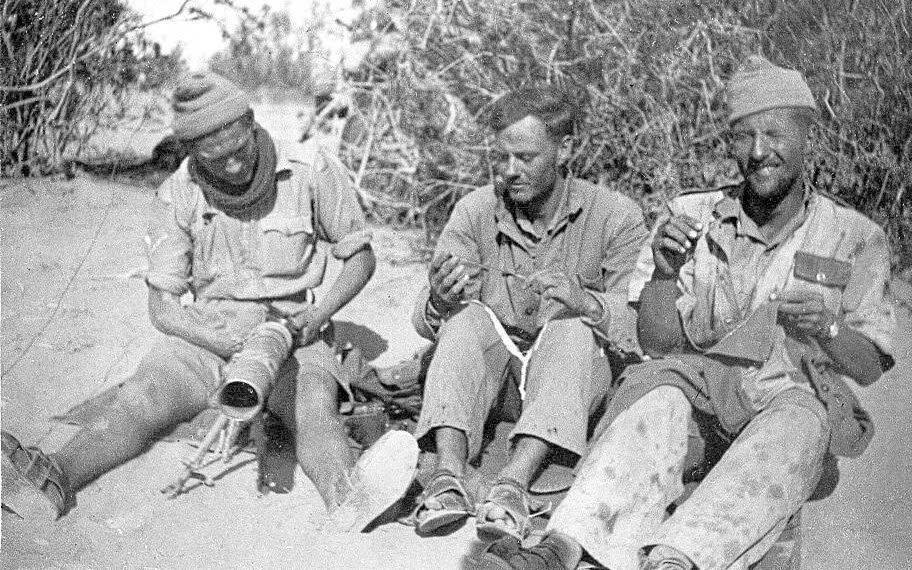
(351,244)
(880,331)
(426,325)
(602,323)
(166,282)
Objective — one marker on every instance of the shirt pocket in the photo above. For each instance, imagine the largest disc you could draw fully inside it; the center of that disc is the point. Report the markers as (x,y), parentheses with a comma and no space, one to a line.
(204,234)
(827,271)
(287,244)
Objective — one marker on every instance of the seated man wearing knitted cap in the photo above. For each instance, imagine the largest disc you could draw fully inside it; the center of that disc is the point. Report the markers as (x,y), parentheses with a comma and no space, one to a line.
(756,301)
(237,228)
(527,291)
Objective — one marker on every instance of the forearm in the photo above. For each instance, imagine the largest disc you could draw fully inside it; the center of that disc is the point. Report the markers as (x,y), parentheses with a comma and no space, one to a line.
(857,356)
(658,324)
(169,317)
(356,272)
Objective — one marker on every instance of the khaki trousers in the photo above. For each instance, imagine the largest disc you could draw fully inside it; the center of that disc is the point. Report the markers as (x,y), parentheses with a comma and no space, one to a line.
(567,378)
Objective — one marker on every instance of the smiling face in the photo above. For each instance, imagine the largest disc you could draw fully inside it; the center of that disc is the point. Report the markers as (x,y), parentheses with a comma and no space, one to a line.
(769,147)
(526,160)
(229,153)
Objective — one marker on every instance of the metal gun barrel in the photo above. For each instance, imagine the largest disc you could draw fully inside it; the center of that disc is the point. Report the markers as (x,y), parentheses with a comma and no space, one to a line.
(251,371)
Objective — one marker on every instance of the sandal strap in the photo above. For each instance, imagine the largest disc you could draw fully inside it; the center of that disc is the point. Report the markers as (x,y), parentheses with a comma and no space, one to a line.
(436,486)
(43,471)
(521,516)
(536,508)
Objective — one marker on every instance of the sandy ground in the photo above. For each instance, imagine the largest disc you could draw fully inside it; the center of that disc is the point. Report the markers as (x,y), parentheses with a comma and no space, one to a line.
(74,322)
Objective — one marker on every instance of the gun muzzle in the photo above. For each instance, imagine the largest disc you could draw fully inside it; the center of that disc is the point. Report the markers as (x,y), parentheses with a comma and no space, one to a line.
(251,371)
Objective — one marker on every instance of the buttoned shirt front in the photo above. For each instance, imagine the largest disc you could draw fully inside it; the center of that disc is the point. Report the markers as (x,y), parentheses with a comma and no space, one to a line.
(198,248)
(735,269)
(594,238)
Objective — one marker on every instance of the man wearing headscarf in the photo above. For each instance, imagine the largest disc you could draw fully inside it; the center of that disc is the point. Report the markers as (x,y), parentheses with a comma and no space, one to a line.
(757,302)
(237,227)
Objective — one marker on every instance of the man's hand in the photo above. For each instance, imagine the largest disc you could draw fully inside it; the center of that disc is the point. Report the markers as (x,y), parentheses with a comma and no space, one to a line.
(451,281)
(206,331)
(564,297)
(804,311)
(307,324)
(674,242)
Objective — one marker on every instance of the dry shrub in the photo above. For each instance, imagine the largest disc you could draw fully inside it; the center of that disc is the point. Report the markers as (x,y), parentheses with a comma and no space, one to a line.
(265,49)
(65,70)
(652,74)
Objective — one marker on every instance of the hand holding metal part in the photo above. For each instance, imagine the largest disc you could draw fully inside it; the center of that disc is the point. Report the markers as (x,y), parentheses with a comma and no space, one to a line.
(249,376)
(452,281)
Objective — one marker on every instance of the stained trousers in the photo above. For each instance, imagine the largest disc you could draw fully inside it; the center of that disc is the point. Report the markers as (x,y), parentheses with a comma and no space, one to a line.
(617,504)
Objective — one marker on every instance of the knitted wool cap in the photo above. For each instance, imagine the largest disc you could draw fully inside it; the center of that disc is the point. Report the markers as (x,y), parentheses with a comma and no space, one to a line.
(758,85)
(204,102)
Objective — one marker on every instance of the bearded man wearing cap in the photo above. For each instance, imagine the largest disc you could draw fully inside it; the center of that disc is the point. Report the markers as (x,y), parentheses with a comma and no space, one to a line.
(757,303)
(237,227)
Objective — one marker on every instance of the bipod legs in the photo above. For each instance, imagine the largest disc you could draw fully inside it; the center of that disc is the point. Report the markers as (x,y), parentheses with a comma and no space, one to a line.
(225,430)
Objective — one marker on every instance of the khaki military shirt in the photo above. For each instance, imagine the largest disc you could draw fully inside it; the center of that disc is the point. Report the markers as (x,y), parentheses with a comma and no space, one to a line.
(198,248)
(735,269)
(594,237)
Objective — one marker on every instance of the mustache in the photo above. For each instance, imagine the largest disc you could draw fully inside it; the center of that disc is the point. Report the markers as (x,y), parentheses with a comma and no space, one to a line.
(753,166)
(502,184)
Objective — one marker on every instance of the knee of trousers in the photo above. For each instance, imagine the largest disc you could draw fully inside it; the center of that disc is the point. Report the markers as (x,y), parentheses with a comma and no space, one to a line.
(162,377)
(316,395)
(469,322)
(806,413)
(575,328)
(144,399)
(566,339)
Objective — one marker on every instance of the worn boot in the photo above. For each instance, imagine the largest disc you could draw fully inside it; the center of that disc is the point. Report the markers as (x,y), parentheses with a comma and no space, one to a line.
(554,552)
(663,557)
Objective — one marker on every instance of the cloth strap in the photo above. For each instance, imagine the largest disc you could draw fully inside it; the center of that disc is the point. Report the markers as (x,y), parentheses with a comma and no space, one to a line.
(524,357)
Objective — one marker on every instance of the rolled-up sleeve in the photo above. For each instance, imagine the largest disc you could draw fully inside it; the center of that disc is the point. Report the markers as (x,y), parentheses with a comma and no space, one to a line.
(865,303)
(339,218)
(426,326)
(642,274)
(620,251)
(458,239)
(169,244)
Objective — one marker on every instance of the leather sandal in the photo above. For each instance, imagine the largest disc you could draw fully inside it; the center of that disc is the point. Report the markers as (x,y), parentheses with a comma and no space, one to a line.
(448,489)
(34,485)
(512,497)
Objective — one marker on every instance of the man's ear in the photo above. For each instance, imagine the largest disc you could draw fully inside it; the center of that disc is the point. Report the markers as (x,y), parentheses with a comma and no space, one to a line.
(564,150)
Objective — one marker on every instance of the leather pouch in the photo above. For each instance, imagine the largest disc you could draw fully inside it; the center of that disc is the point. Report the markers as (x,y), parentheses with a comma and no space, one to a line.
(827,271)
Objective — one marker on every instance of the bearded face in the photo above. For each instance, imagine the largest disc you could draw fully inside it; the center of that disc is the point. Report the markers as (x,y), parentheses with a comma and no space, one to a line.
(769,148)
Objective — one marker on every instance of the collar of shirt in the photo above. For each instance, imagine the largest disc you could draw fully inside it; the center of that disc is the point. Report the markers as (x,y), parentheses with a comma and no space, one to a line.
(730,210)
(520,229)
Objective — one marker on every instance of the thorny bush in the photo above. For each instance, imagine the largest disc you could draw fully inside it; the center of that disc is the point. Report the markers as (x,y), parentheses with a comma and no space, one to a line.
(651,74)
(65,67)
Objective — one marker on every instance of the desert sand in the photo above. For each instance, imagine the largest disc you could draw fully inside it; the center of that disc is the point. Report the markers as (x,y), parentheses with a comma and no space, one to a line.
(74,322)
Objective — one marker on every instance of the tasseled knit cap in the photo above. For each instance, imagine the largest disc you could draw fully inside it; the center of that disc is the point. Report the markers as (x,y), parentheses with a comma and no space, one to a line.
(204,102)
(758,85)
